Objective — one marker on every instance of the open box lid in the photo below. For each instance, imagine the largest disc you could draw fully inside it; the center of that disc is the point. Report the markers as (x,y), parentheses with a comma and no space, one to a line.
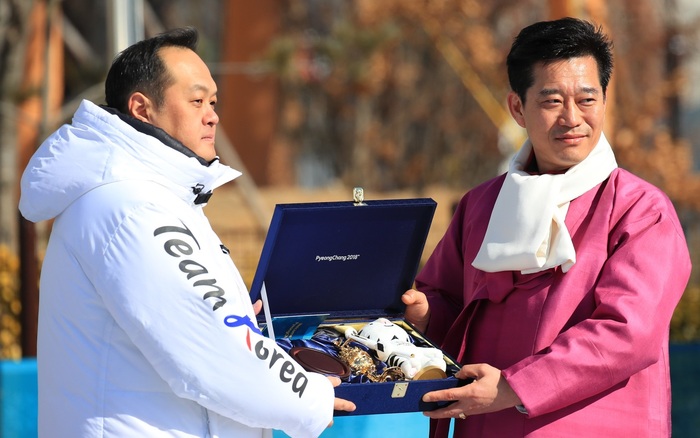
(343,259)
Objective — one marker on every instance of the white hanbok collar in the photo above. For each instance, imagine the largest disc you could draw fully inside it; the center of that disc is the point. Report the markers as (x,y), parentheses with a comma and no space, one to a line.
(526,231)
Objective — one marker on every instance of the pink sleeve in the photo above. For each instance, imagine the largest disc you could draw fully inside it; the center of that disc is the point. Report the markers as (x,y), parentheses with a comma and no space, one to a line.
(448,269)
(638,289)
(442,281)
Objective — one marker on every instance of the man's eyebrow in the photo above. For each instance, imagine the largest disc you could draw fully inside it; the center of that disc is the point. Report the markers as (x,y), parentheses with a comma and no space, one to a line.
(590,90)
(204,88)
(551,91)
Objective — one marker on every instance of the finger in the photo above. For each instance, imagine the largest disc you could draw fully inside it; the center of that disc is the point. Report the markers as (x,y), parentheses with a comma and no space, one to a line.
(452,411)
(438,396)
(414,297)
(472,371)
(257,306)
(408,297)
(465,374)
(341,404)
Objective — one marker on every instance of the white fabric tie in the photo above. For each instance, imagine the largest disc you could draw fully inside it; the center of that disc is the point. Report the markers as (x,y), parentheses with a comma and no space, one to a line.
(526,231)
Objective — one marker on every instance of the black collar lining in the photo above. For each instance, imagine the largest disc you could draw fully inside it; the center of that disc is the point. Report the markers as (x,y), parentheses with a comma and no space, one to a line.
(154,131)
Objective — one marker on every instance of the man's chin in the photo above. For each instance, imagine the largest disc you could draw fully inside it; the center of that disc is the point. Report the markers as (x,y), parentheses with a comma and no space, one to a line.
(206,151)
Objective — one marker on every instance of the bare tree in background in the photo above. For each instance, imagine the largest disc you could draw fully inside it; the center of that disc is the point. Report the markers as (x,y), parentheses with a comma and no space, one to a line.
(647,138)
(369,99)
(13,32)
(378,93)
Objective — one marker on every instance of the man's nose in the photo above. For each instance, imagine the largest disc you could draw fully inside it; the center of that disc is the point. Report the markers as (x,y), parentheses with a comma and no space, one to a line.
(570,115)
(212,118)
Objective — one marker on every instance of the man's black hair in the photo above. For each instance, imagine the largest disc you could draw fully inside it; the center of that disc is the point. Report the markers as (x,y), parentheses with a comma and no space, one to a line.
(549,41)
(140,68)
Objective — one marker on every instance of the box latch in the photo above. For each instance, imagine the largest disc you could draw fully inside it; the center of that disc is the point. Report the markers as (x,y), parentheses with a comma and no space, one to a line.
(399,390)
(358,196)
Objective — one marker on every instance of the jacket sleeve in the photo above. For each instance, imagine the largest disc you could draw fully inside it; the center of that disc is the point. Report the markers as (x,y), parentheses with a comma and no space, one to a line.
(636,293)
(167,283)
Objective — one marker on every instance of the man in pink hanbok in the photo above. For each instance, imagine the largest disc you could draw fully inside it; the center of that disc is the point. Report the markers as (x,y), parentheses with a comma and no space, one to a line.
(555,283)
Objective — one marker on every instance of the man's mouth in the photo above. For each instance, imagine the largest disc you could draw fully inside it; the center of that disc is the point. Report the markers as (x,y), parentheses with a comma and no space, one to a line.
(572,139)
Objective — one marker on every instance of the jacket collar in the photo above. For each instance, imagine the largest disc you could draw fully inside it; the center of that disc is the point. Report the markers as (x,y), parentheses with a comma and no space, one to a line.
(154,131)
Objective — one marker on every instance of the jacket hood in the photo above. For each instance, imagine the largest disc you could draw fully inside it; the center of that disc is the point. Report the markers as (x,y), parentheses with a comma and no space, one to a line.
(99,148)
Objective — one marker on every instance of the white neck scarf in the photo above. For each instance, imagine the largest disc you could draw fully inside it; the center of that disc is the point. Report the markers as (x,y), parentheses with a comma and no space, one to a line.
(526,231)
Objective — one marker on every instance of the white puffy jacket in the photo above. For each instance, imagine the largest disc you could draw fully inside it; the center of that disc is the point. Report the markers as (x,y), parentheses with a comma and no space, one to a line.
(145,325)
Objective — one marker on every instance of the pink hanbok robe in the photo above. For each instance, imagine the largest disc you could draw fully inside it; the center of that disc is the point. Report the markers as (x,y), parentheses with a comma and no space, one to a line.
(587,350)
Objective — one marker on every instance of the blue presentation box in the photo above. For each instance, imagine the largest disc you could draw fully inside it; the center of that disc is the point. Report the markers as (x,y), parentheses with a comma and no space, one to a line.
(348,263)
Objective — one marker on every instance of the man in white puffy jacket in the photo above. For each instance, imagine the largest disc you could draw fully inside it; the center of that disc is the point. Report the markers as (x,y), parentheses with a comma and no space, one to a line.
(145,325)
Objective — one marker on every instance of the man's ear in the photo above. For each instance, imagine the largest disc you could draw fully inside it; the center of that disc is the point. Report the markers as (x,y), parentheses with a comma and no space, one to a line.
(139,106)
(515,106)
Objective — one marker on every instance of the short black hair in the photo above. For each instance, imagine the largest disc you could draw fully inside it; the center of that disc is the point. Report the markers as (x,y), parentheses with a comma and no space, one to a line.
(140,68)
(549,41)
